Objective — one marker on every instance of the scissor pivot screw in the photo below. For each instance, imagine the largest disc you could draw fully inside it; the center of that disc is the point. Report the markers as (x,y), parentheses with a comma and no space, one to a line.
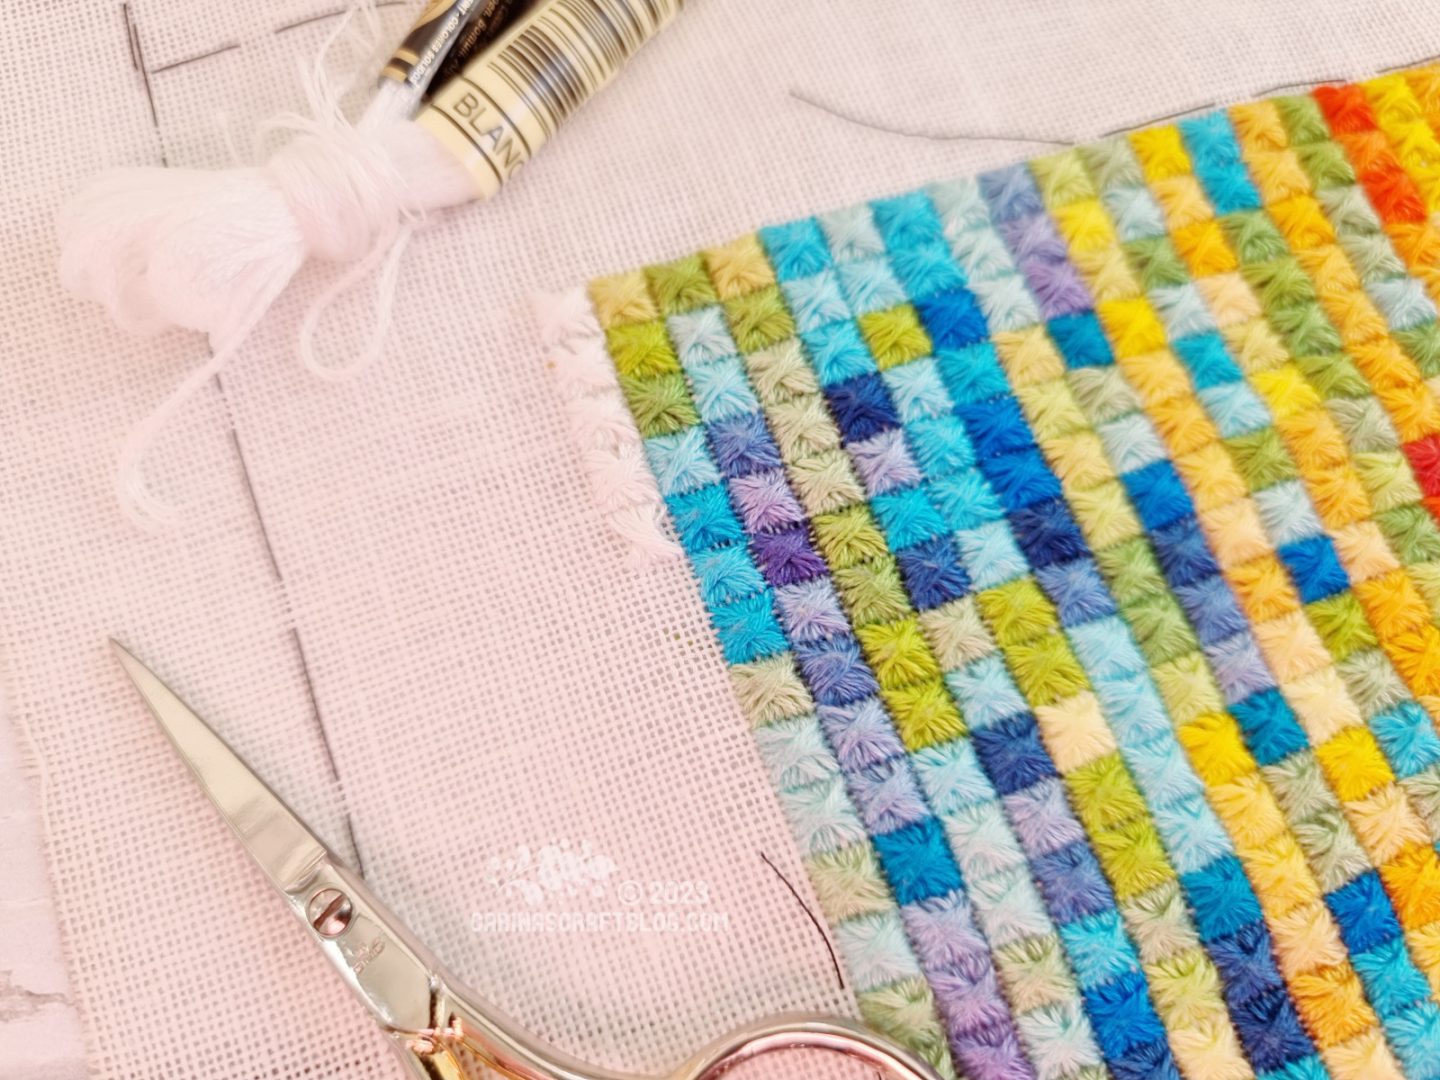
(329,912)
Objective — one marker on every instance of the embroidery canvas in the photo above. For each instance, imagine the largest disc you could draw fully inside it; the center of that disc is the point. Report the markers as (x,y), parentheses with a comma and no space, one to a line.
(1070,533)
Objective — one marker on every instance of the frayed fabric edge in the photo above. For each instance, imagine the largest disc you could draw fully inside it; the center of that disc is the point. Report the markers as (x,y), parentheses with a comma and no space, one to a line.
(610,449)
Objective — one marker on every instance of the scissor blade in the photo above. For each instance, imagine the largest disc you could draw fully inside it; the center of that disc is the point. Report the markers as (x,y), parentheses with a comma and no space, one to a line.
(286,850)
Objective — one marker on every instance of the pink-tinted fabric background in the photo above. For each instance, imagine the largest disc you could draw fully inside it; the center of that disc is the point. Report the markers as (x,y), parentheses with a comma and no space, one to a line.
(393,595)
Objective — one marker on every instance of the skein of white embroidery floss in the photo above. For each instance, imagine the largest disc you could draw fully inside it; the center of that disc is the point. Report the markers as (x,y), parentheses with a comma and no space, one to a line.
(211,250)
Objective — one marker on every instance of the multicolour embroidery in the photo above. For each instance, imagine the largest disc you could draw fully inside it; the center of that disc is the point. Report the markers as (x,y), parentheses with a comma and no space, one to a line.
(1071,537)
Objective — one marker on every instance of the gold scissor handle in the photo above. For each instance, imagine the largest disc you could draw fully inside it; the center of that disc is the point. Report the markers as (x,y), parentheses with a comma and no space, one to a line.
(472,1047)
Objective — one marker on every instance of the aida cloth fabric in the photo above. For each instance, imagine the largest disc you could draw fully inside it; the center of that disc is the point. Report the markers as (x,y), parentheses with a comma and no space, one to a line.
(394,595)
(1070,535)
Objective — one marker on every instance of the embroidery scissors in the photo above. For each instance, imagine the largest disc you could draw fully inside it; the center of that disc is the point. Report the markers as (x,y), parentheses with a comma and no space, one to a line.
(438,1028)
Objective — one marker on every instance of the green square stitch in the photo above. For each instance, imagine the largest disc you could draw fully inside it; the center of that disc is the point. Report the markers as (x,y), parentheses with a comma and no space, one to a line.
(1017,611)
(1422,344)
(848,537)
(895,335)
(680,286)
(642,349)
(1412,532)
(1332,375)
(872,591)
(1303,119)
(1133,858)
(759,319)
(1341,623)
(1326,165)
(1154,258)
(1062,178)
(1131,570)
(1306,328)
(1262,458)
(1112,163)
(1104,793)
(661,405)
(1102,392)
(1280,283)
(898,653)
(1160,627)
(1253,236)
(1046,670)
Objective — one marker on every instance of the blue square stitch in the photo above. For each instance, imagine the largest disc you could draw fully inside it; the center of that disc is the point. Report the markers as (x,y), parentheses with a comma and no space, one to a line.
(861,407)
(917,862)
(797,249)
(1081,340)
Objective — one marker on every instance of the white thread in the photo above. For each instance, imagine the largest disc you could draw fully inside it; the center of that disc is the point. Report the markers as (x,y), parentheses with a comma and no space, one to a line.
(611,450)
(212,251)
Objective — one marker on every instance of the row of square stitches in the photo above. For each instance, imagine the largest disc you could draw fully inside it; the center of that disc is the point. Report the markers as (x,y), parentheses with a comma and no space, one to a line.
(1071,536)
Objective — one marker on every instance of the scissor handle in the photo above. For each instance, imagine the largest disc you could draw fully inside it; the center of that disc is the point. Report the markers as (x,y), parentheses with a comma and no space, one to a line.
(472,1042)
(812,1032)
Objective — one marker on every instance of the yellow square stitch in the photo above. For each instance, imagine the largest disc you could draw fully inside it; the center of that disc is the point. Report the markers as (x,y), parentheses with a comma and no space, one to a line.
(1182,200)
(898,653)
(1216,747)
(1046,670)
(1259,126)
(1230,299)
(1323,704)
(1184,425)
(1161,152)
(1078,460)
(1075,731)
(1186,989)
(1062,179)
(1187,687)
(1018,612)
(1291,646)
(1339,496)
(1210,1049)
(1235,531)
(622,298)
(1132,326)
(1285,390)
(1363,551)
(1028,356)
(1211,476)
(1386,823)
(1281,178)
(1281,877)
(1104,514)
(848,882)
(739,267)
(1051,409)
(1108,274)
(925,714)
(1205,248)
(1306,938)
(1248,807)
(1156,376)
(1366,1056)
(1263,588)
(1085,225)
(1255,346)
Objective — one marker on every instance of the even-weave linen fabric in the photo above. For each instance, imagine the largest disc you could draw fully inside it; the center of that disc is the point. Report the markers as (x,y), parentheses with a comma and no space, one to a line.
(1070,535)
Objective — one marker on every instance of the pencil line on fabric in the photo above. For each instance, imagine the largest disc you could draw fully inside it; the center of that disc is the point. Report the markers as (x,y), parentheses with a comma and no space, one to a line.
(819,928)
(336,13)
(305,675)
(137,57)
(931,136)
